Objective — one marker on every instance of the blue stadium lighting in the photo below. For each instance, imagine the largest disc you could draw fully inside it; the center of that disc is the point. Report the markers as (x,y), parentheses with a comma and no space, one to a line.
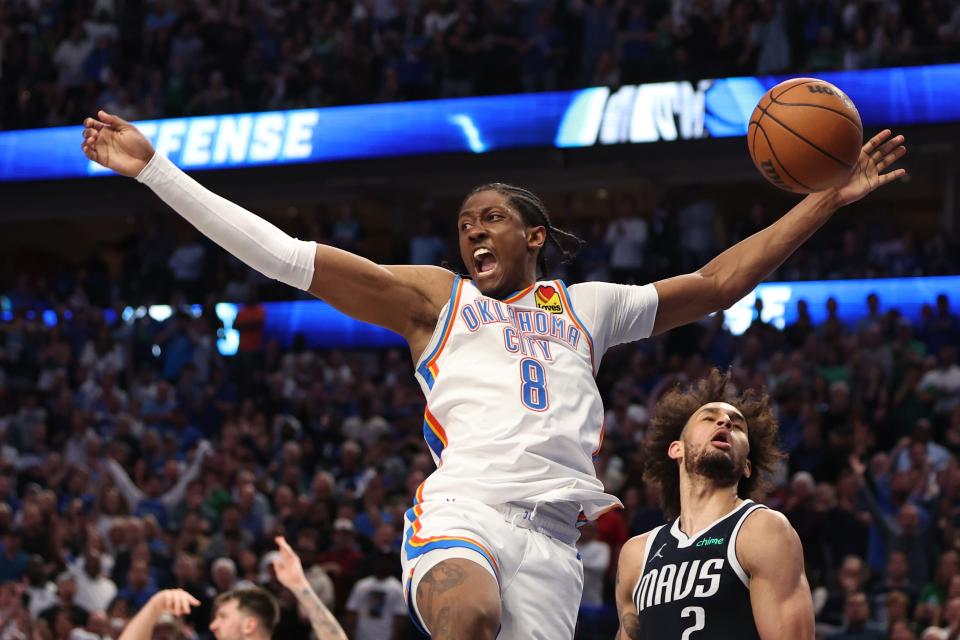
(323,327)
(470,131)
(662,111)
(907,295)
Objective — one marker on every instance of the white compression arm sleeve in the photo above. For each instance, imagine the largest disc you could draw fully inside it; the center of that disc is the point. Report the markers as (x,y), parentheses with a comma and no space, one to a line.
(249,237)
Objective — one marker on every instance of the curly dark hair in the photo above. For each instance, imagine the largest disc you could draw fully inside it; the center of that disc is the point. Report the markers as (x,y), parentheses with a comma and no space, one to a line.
(673,411)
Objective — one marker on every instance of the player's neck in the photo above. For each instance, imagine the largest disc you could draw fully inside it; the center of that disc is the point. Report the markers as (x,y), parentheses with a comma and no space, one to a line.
(702,502)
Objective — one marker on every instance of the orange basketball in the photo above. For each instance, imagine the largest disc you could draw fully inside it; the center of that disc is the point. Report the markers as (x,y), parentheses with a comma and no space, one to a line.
(805,135)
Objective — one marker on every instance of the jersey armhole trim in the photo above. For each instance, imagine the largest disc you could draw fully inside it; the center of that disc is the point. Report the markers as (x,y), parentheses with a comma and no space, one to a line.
(427,366)
(732,547)
(651,537)
(562,287)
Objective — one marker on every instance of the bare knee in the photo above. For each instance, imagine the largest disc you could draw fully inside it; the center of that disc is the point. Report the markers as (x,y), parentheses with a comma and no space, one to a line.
(459,599)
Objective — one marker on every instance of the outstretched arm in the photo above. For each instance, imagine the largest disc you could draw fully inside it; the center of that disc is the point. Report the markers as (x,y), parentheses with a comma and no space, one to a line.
(175,495)
(770,551)
(629,568)
(735,272)
(131,492)
(404,299)
(290,574)
(174,601)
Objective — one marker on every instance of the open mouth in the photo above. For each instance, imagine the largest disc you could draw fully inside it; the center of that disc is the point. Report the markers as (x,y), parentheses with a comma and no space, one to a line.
(722,440)
(484,261)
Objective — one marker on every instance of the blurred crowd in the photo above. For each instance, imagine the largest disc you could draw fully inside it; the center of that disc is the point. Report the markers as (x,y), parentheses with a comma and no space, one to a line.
(159,259)
(60,61)
(133,457)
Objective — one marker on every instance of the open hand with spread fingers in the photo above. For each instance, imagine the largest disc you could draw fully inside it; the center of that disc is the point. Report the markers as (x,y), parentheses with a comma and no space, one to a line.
(116,144)
(879,154)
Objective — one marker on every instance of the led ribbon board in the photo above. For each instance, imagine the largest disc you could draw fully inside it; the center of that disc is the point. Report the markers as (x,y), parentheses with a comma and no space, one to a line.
(323,327)
(653,112)
(906,295)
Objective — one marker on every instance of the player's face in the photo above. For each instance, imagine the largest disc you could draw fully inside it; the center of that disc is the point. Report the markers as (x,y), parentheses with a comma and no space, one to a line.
(228,622)
(714,444)
(495,243)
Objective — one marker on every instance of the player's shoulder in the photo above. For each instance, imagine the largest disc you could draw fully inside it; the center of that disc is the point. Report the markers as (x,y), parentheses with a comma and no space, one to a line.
(611,290)
(766,523)
(636,543)
(634,548)
(433,283)
(429,274)
(765,537)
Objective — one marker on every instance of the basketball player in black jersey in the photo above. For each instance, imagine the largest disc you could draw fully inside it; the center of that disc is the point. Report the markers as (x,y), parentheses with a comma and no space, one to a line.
(725,567)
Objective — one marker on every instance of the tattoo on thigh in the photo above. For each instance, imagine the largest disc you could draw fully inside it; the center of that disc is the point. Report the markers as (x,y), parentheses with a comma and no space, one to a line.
(442,624)
(452,576)
(438,581)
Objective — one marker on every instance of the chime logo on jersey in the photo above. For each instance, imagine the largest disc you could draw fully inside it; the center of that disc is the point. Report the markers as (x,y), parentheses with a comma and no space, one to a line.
(706,542)
(672,582)
(548,299)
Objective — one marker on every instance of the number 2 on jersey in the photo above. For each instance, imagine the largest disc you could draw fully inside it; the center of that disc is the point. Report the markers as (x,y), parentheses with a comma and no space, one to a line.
(533,390)
(699,620)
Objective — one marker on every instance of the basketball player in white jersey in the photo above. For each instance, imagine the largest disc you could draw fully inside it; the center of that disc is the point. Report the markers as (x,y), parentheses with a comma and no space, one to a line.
(725,567)
(506,362)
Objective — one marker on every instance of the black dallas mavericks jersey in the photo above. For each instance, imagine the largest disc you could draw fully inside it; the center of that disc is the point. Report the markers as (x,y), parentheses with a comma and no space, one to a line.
(694,588)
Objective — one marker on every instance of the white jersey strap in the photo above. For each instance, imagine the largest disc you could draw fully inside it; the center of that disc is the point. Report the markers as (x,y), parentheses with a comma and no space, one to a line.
(732,546)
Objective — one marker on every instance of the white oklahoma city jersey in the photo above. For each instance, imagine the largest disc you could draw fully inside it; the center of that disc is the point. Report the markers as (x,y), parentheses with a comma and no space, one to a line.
(513,410)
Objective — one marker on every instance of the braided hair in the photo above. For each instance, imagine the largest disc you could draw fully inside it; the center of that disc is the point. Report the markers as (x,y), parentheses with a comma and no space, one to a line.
(534,214)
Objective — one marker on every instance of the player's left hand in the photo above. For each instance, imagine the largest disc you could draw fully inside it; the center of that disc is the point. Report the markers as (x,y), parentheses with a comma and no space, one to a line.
(878,155)
(288,568)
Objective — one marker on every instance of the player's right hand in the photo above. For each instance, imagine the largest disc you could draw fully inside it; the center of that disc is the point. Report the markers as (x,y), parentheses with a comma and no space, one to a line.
(287,566)
(116,144)
(174,601)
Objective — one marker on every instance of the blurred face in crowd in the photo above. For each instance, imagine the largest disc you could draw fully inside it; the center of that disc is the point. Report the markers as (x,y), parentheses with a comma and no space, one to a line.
(154,487)
(31,518)
(952,612)
(307,547)
(66,589)
(856,609)
(851,573)
(898,606)
(224,575)
(183,568)
(194,496)
(897,566)
(138,575)
(909,519)
(99,623)
(846,486)
(714,444)
(35,571)
(902,631)
(11,544)
(6,485)
(953,591)
(246,496)
(231,519)
(918,455)
(489,221)
(947,566)
(901,485)
(91,563)
(62,624)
